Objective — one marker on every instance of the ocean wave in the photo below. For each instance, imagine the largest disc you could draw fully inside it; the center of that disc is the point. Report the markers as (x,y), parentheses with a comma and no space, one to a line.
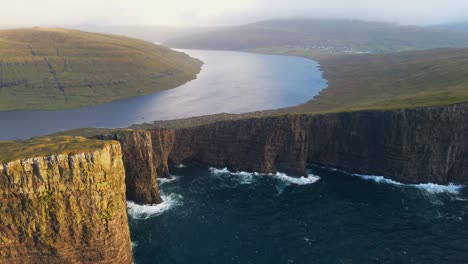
(245,177)
(137,211)
(428,187)
(248,177)
(219,171)
(167,180)
(311,178)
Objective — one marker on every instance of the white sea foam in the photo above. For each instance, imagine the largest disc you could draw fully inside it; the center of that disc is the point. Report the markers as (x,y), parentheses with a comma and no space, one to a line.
(437,188)
(248,177)
(166,180)
(181,166)
(428,187)
(137,211)
(219,171)
(299,181)
(245,177)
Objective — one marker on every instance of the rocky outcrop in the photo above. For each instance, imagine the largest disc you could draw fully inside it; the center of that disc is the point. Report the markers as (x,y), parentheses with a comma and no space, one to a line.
(66,208)
(409,145)
(138,158)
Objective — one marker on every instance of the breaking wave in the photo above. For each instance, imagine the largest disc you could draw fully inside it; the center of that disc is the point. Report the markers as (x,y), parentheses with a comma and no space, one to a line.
(249,177)
(428,187)
(167,180)
(216,171)
(299,181)
(137,211)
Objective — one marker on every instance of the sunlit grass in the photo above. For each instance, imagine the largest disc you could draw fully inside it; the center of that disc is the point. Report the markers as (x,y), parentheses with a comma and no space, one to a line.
(37,147)
(387,81)
(56,68)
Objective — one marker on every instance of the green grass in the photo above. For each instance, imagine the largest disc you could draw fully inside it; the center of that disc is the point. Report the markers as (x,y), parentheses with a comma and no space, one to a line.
(387,81)
(44,68)
(38,147)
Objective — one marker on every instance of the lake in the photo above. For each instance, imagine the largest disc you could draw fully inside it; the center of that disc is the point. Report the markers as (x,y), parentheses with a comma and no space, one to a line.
(230,82)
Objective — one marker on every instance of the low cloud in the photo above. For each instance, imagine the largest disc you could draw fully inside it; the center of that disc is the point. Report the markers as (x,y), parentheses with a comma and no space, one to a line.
(209,12)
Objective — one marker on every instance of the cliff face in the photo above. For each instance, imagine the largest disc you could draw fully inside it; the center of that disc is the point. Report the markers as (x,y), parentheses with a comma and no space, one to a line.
(411,145)
(67,208)
(263,145)
(141,177)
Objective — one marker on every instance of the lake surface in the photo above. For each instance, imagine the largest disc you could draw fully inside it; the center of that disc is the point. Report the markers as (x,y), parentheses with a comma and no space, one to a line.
(334,217)
(230,82)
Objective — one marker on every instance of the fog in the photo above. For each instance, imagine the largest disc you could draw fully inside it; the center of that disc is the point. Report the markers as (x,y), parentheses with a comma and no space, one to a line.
(219,12)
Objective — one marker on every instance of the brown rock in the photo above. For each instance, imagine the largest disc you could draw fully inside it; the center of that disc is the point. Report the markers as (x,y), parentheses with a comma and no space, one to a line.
(410,145)
(141,177)
(67,208)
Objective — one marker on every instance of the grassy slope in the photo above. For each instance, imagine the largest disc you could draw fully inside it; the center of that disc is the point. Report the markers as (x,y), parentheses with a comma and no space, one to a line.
(37,147)
(324,35)
(388,81)
(56,68)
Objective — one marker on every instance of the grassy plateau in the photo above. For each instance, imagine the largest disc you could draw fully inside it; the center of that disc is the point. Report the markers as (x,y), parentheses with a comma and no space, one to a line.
(37,147)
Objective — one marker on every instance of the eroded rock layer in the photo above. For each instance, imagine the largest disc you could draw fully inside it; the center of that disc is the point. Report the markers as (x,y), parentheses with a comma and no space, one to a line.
(67,208)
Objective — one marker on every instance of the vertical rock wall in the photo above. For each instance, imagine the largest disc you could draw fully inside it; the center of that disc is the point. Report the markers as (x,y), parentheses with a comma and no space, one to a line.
(141,177)
(67,208)
(410,145)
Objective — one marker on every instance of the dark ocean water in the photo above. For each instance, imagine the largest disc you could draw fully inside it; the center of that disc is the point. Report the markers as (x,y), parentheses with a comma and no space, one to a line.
(218,217)
(230,82)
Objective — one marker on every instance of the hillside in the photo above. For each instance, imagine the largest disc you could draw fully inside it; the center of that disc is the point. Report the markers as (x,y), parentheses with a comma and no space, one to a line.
(391,81)
(43,68)
(151,33)
(323,35)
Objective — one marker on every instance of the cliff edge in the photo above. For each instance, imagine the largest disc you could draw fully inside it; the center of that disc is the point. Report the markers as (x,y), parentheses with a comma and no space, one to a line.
(64,208)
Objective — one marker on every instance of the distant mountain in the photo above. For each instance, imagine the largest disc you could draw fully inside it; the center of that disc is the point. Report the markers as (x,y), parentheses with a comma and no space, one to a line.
(44,68)
(323,35)
(156,33)
(456,27)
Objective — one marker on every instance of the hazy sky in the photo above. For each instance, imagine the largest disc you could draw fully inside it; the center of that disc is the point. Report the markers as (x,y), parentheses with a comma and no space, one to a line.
(209,12)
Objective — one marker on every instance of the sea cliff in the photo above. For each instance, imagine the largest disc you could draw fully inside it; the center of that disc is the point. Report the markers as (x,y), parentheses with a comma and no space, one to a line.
(65,208)
(409,145)
(141,164)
